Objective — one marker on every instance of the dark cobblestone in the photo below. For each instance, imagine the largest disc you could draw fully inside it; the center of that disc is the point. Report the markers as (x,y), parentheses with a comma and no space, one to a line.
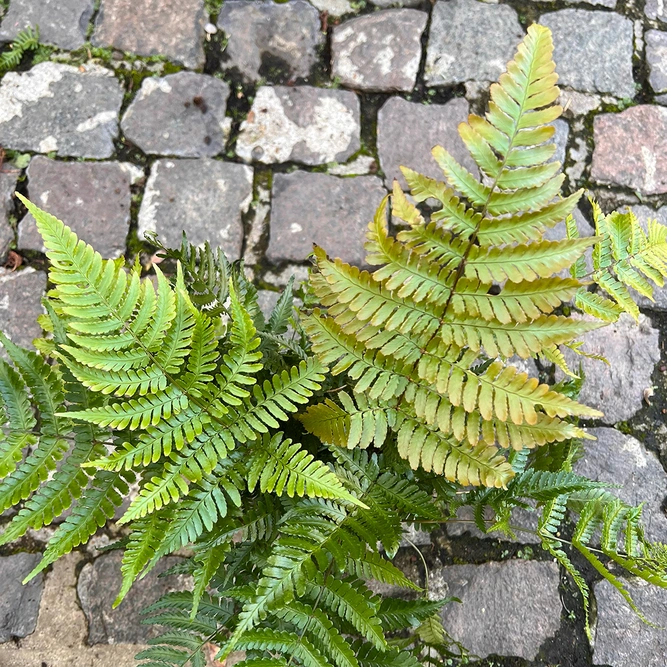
(205,197)
(94,199)
(329,201)
(379,52)
(19,604)
(61,22)
(181,114)
(99,583)
(171,28)
(57,108)
(263,32)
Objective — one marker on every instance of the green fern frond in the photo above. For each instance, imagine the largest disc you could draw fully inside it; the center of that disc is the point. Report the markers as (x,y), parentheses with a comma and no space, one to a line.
(96,506)
(20,419)
(280,466)
(351,600)
(25,41)
(321,632)
(297,647)
(625,257)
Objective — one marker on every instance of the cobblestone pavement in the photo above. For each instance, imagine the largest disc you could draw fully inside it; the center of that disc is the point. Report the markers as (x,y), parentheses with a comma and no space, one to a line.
(264,127)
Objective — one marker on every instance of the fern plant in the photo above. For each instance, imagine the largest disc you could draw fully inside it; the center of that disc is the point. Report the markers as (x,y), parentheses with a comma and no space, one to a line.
(427,339)
(26,41)
(289,484)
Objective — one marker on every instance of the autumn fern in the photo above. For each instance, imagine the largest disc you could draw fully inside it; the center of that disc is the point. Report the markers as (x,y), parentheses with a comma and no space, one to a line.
(428,338)
(475,283)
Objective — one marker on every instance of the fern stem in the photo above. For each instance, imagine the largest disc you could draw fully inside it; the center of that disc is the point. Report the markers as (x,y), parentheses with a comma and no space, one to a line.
(316,604)
(520,529)
(421,555)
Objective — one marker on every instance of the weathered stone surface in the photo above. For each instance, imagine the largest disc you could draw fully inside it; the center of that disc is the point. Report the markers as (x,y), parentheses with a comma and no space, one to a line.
(267,300)
(602,40)
(560,138)
(98,586)
(19,604)
(8,177)
(576,104)
(632,350)
(631,149)
(360,166)
(395,3)
(171,28)
(339,209)
(622,639)
(204,197)
(407,132)
(60,637)
(379,51)
(513,623)
(610,4)
(656,9)
(21,303)
(92,198)
(620,459)
(61,22)
(334,8)
(180,114)
(264,34)
(656,57)
(57,108)
(459,47)
(302,124)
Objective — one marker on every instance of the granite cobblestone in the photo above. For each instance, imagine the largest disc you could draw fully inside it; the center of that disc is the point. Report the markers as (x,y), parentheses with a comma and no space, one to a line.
(268,126)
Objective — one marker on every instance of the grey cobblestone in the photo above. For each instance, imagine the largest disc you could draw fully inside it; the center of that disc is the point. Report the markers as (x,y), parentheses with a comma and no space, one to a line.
(459,48)
(622,639)
(304,124)
(21,303)
(617,388)
(59,108)
(263,33)
(8,177)
(656,57)
(622,460)
(514,623)
(61,22)
(180,114)
(437,124)
(19,605)
(204,197)
(380,51)
(93,197)
(601,40)
(97,588)
(171,28)
(330,201)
